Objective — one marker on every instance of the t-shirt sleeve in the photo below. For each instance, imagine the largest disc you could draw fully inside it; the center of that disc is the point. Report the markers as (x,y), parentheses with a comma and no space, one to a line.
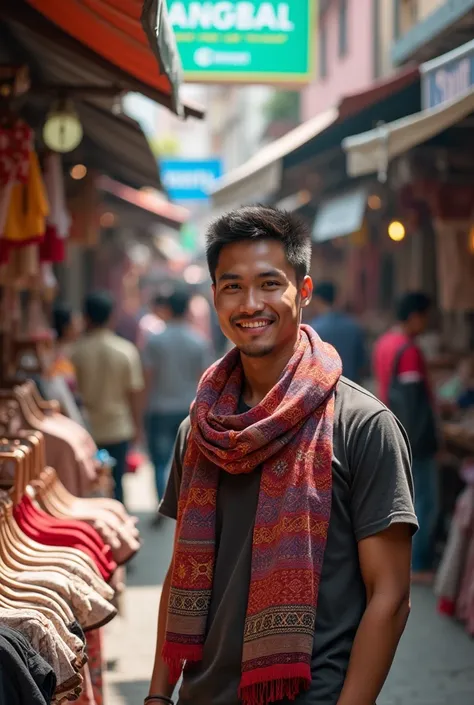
(382,482)
(169,503)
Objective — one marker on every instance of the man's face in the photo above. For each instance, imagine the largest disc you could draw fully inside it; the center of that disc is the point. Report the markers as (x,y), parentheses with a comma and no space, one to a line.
(257,297)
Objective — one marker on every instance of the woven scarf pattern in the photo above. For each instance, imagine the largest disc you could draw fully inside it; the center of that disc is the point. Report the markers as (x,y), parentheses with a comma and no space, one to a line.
(290,435)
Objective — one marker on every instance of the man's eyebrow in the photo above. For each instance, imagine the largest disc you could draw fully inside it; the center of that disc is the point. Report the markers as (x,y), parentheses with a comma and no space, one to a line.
(229,276)
(271,273)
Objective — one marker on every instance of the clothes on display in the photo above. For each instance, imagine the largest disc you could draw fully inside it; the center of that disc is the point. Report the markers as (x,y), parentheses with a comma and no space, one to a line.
(58,562)
(455,579)
(34,221)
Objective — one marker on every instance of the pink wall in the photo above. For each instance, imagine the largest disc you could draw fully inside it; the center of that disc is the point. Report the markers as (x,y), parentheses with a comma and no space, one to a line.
(351,73)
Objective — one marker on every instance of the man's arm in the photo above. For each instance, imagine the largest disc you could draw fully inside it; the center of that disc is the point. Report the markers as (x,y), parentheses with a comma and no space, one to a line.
(160,680)
(385,564)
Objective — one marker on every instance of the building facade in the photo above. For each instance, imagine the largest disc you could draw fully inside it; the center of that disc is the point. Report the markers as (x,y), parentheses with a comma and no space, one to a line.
(344,40)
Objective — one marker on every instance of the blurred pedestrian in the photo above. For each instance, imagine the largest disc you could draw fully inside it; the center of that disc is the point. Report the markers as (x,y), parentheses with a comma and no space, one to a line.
(67,327)
(110,381)
(174,361)
(403,384)
(341,330)
(291,487)
(152,322)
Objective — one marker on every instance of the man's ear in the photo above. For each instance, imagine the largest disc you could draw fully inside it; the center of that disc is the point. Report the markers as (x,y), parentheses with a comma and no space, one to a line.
(306,291)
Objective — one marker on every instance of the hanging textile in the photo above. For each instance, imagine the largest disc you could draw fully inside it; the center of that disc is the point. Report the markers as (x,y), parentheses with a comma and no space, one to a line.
(52,248)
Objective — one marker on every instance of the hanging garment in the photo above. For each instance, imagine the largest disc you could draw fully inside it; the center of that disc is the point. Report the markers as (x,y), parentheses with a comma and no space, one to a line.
(26,219)
(59,218)
(25,677)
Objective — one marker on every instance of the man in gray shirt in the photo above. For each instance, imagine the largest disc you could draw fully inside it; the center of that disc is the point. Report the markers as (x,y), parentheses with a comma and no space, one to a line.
(233,607)
(174,361)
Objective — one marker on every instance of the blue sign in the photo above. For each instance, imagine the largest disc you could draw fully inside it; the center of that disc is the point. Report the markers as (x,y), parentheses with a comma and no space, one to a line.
(190,179)
(448,77)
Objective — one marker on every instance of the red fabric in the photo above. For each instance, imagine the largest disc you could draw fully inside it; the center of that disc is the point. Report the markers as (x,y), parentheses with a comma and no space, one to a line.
(52,247)
(290,435)
(33,524)
(386,349)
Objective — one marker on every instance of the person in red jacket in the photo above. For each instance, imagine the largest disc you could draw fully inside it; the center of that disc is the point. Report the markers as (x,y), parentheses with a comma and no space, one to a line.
(403,385)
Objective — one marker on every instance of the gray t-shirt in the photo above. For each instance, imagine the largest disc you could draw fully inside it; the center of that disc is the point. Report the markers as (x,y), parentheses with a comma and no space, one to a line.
(372,489)
(177,357)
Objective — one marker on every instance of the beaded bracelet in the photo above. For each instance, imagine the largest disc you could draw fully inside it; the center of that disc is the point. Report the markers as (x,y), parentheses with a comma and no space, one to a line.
(163,698)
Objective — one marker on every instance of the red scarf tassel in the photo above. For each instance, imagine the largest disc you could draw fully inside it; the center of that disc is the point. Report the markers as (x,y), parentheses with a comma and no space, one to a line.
(269,685)
(175,656)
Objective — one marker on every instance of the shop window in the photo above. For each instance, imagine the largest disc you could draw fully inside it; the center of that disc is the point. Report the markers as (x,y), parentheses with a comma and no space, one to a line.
(323,52)
(343,28)
(405,16)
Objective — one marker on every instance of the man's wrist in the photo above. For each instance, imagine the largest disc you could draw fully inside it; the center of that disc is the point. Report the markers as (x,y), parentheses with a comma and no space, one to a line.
(155,699)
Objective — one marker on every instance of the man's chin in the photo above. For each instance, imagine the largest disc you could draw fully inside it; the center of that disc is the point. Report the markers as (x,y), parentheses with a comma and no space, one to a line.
(256,350)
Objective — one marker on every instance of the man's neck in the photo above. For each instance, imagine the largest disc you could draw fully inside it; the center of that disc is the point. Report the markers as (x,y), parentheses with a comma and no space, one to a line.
(262,373)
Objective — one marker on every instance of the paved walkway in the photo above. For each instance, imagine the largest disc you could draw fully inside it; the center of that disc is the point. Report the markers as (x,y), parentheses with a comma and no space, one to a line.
(434,664)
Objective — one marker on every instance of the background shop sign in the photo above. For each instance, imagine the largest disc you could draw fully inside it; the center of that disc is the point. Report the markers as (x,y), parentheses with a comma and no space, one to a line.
(250,41)
(448,77)
(190,179)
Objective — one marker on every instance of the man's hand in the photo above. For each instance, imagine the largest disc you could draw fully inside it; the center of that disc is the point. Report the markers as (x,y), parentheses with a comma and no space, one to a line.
(385,561)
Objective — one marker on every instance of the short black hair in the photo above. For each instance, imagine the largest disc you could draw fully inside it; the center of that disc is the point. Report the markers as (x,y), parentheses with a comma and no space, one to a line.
(261,223)
(178,300)
(412,302)
(62,319)
(98,307)
(326,291)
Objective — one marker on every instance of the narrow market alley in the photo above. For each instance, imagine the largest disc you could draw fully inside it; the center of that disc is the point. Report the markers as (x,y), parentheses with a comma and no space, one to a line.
(434,665)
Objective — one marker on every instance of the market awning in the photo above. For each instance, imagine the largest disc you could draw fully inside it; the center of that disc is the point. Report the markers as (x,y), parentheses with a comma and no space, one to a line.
(161,210)
(260,178)
(112,35)
(340,215)
(108,133)
(371,152)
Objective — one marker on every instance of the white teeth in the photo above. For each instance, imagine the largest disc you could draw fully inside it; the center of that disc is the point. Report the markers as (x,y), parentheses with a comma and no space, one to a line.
(261,324)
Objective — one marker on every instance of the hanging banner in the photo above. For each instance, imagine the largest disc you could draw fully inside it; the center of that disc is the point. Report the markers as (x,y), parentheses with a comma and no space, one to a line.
(224,41)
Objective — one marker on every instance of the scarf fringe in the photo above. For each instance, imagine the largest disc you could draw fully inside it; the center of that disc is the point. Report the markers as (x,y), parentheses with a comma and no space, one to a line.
(268,685)
(175,656)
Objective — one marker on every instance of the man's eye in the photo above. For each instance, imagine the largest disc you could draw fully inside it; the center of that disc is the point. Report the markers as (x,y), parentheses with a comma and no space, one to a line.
(271,284)
(231,287)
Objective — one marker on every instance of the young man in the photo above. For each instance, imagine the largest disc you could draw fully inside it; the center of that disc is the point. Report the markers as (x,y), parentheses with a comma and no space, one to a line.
(174,362)
(401,373)
(290,577)
(110,382)
(341,331)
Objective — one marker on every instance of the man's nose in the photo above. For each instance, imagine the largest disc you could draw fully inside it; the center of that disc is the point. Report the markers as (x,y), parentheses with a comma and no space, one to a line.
(252,302)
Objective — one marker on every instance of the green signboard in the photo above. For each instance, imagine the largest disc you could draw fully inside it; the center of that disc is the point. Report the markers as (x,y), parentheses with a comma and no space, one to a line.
(250,41)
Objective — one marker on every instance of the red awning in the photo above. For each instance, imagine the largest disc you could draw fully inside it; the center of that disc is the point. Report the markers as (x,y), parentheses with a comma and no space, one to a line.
(113,30)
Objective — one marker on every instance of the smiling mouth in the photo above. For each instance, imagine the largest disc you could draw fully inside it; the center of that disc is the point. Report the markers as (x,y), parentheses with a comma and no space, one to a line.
(254,325)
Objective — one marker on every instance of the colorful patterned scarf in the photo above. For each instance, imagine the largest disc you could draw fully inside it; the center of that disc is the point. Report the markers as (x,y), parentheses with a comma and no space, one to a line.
(290,434)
